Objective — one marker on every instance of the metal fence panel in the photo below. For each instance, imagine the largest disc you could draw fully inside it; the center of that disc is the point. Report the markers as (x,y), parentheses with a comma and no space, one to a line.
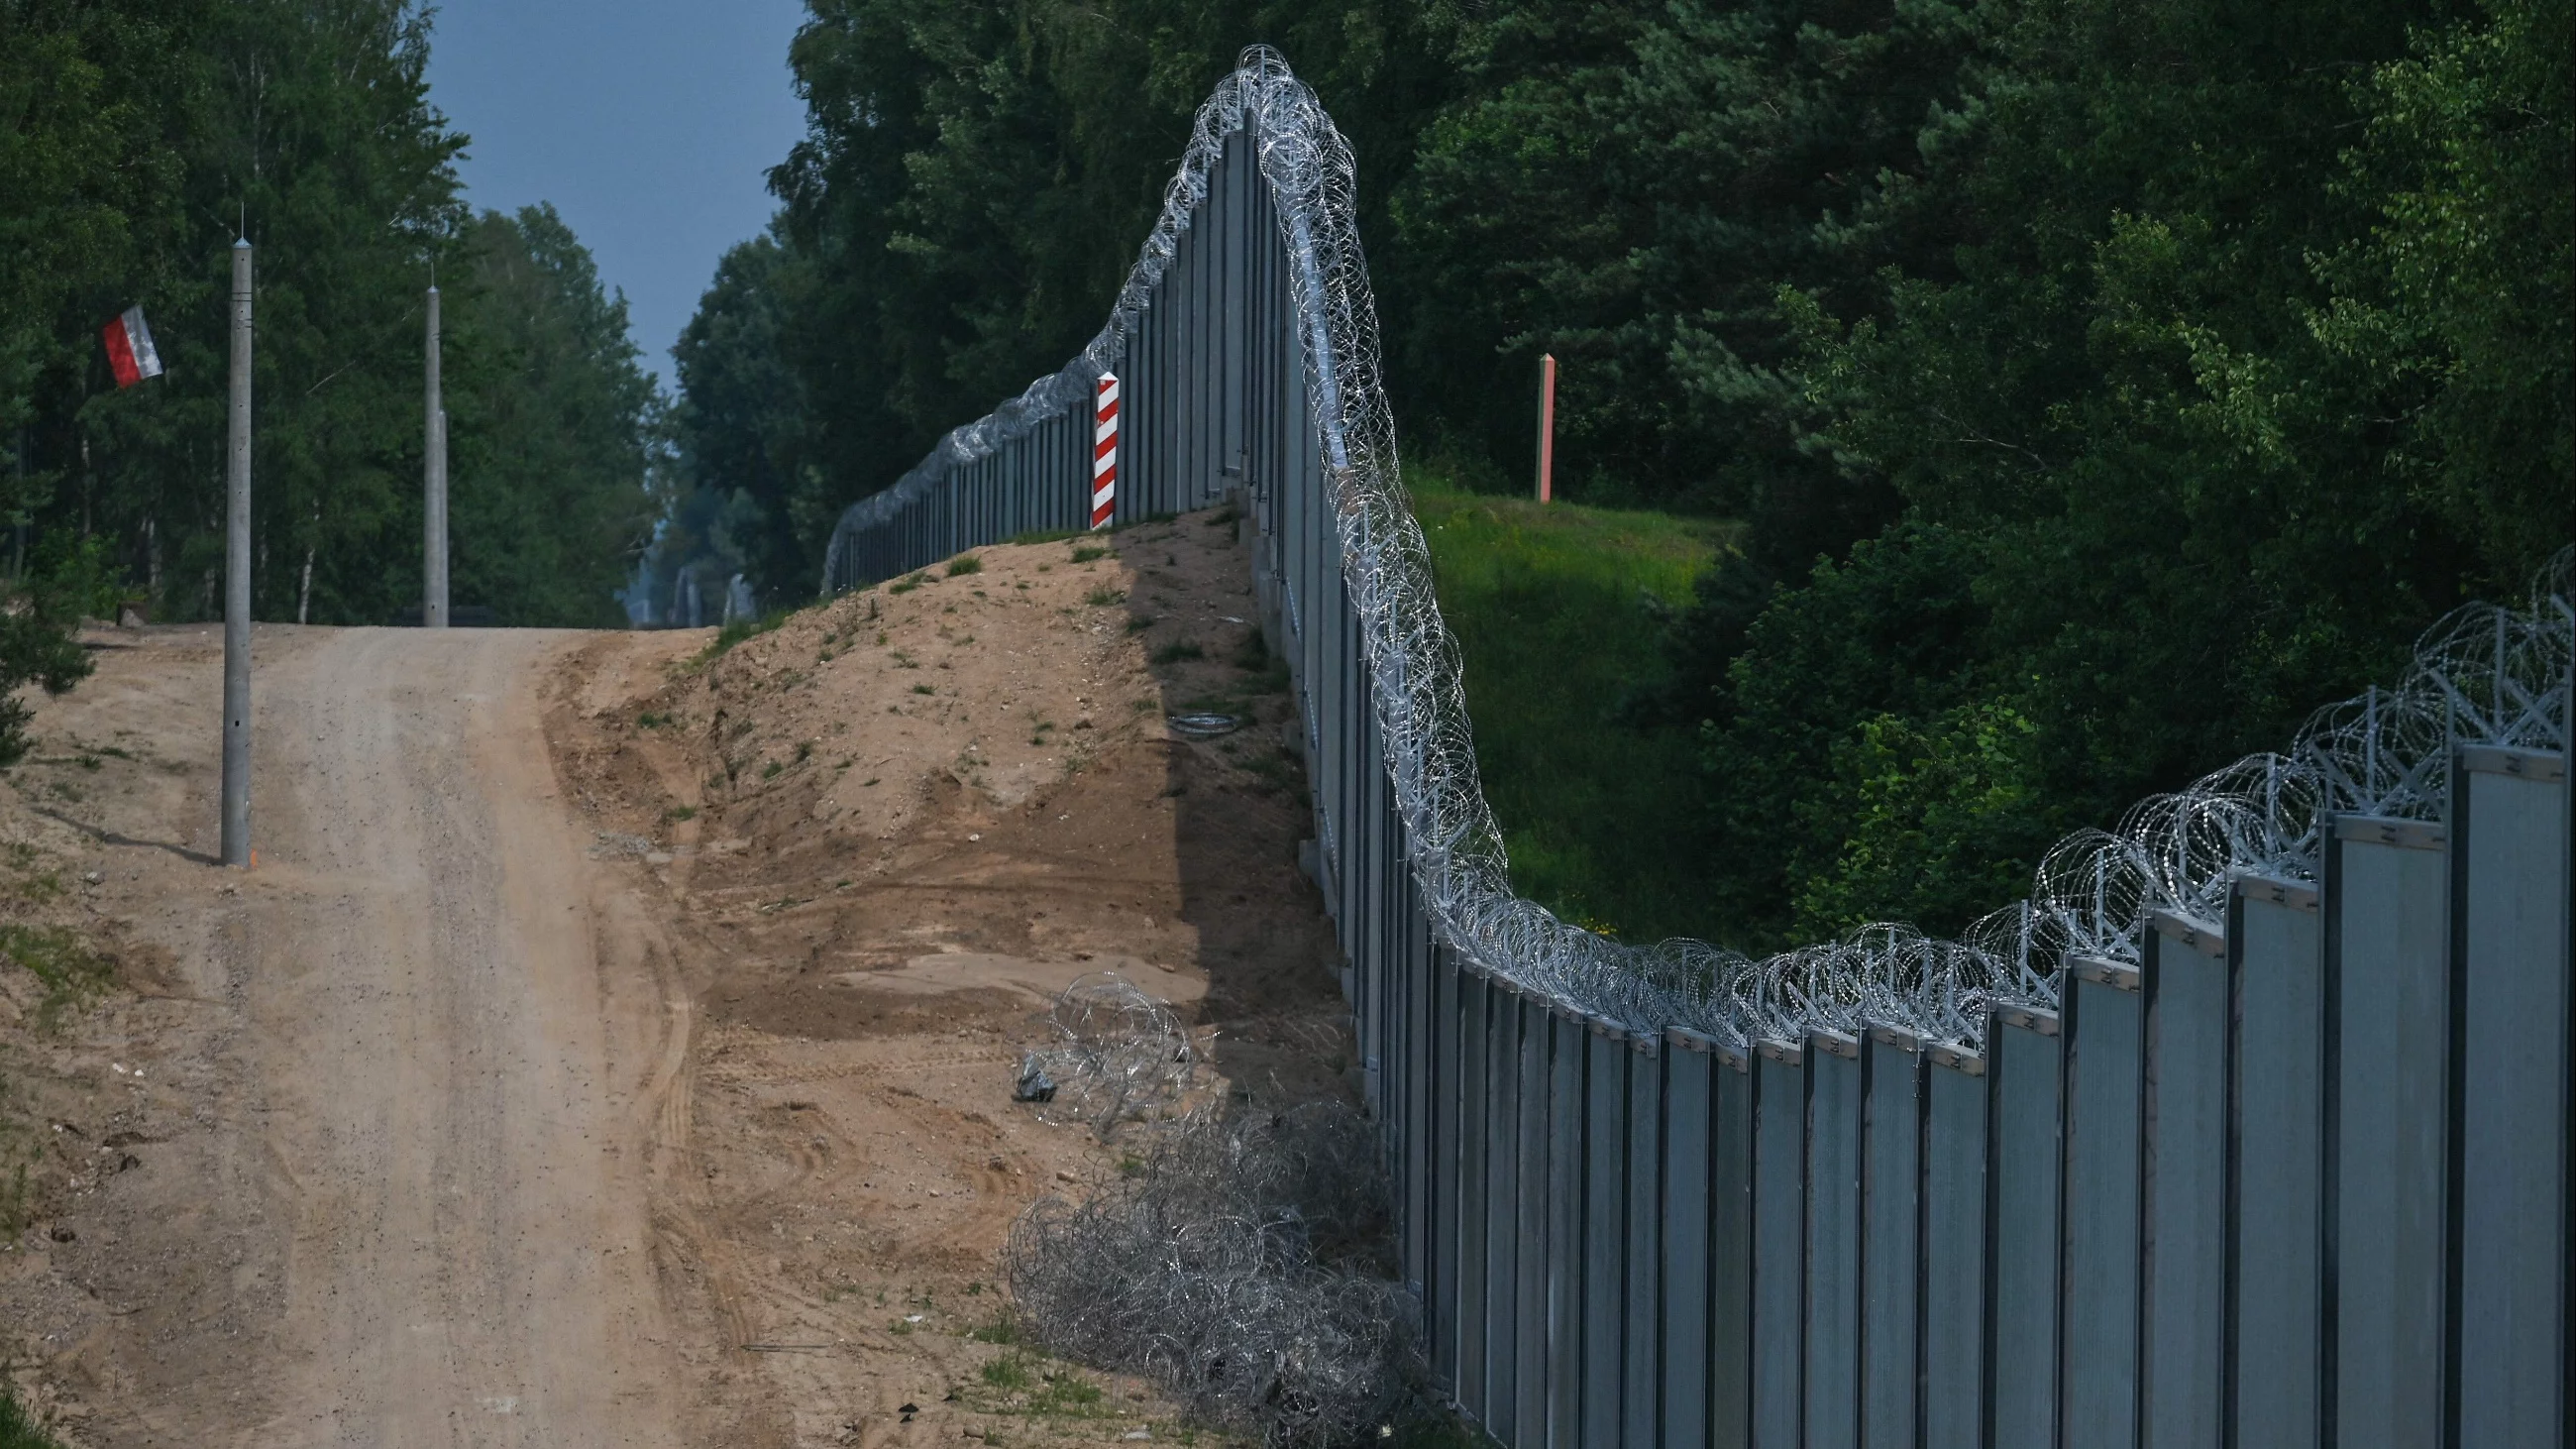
(2182,1346)
(1643,1395)
(1529,1317)
(2510,979)
(1730,1372)
(1502,1216)
(2385,937)
(1607,1279)
(1891,1220)
(1829,1358)
(2105,1050)
(1688,1084)
(1475,1193)
(1954,1248)
(1565,1256)
(1779,1222)
(2024,1127)
(2276,1301)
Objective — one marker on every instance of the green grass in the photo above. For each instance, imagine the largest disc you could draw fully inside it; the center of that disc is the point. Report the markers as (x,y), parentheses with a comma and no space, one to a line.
(741,629)
(1558,613)
(70,972)
(17,1431)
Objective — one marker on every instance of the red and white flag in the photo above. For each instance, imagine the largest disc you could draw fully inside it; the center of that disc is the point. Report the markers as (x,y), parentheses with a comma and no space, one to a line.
(129,348)
(1104,452)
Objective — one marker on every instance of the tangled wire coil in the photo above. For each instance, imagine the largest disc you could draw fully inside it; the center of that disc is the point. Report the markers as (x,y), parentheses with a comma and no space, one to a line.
(1118,1053)
(2486,674)
(1235,1268)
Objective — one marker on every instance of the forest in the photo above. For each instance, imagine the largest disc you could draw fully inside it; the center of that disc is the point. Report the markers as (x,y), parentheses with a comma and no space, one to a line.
(2087,390)
(2093,388)
(138,140)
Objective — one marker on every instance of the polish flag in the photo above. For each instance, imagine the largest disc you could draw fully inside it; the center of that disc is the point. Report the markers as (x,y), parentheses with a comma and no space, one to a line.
(129,348)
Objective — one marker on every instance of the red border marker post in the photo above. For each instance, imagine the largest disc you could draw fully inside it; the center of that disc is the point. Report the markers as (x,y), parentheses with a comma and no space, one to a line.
(1104,452)
(1547,427)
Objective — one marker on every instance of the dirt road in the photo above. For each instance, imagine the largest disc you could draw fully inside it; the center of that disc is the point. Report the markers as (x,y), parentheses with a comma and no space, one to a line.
(431,1075)
(615,1043)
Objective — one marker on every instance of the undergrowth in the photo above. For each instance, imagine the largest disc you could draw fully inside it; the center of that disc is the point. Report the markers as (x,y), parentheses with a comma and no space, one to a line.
(71,973)
(1559,612)
(17,1431)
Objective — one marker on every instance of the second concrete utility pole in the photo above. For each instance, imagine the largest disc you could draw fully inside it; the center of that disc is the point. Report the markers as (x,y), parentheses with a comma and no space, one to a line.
(236,788)
(433,597)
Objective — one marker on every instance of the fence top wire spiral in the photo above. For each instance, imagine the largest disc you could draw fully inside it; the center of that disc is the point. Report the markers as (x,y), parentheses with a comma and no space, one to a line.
(2486,674)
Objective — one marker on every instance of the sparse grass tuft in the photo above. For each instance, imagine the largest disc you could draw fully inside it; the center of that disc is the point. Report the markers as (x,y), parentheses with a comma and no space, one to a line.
(740,630)
(71,973)
(1104,597)
(964,564)
(17,1431)
(1086,552)
(1175,653)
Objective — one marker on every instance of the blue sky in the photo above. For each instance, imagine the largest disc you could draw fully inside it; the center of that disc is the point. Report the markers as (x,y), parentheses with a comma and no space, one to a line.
(650,124)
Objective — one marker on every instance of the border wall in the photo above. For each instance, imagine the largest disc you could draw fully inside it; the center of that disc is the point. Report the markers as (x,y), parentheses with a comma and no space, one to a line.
(2249,1127)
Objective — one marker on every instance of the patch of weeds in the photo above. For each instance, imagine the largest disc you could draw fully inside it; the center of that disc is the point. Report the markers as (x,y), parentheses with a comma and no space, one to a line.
(1009,1373)
(1042,535)
(924,689)
(1224,517)
(86,761)
(1253,655)
(1131,1166)
(1086,552)
(1145,706)
(804,751)
(905,586)
(1140,625)
(870,780)
(1004,1330)
(17,1431)
(1175,653)
(1066,1392)
(680,812)
(1102,598)
(881,638)
(824,658)
(740,630)
(648,720)
(72,974)
(964,564)
(900,1326)
(772,770)
(904,661)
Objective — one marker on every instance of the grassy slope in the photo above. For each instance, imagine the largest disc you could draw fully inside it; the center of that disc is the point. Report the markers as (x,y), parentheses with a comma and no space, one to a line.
(1554,617)
(16,1431)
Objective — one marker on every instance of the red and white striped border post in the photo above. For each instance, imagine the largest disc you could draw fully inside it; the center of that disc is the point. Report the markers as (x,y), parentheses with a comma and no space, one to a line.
(1104,452)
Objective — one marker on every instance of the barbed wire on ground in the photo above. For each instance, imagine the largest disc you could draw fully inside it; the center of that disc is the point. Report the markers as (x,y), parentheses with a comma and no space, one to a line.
(1244,1266)
(1117,1054)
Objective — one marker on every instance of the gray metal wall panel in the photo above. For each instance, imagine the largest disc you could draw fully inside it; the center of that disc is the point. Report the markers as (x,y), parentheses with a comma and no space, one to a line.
(1565,1256)
(1891,1219)
(2183,1346)
(1829,1357)
(1954,1249)
(2104,1054)
(1684,1274)
(2385,937)
(1779,1220)
(1643,1397)
(1730,1235)
(1475,1190)
(2024,1127)
(1529,1317)
(2275,955)
(1450,1081)
(1606,1279)
(2510,942)
(1502,1218)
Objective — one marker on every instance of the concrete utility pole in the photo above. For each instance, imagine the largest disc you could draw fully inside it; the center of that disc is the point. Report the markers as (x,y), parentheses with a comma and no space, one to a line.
(236,837)
(433,598)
